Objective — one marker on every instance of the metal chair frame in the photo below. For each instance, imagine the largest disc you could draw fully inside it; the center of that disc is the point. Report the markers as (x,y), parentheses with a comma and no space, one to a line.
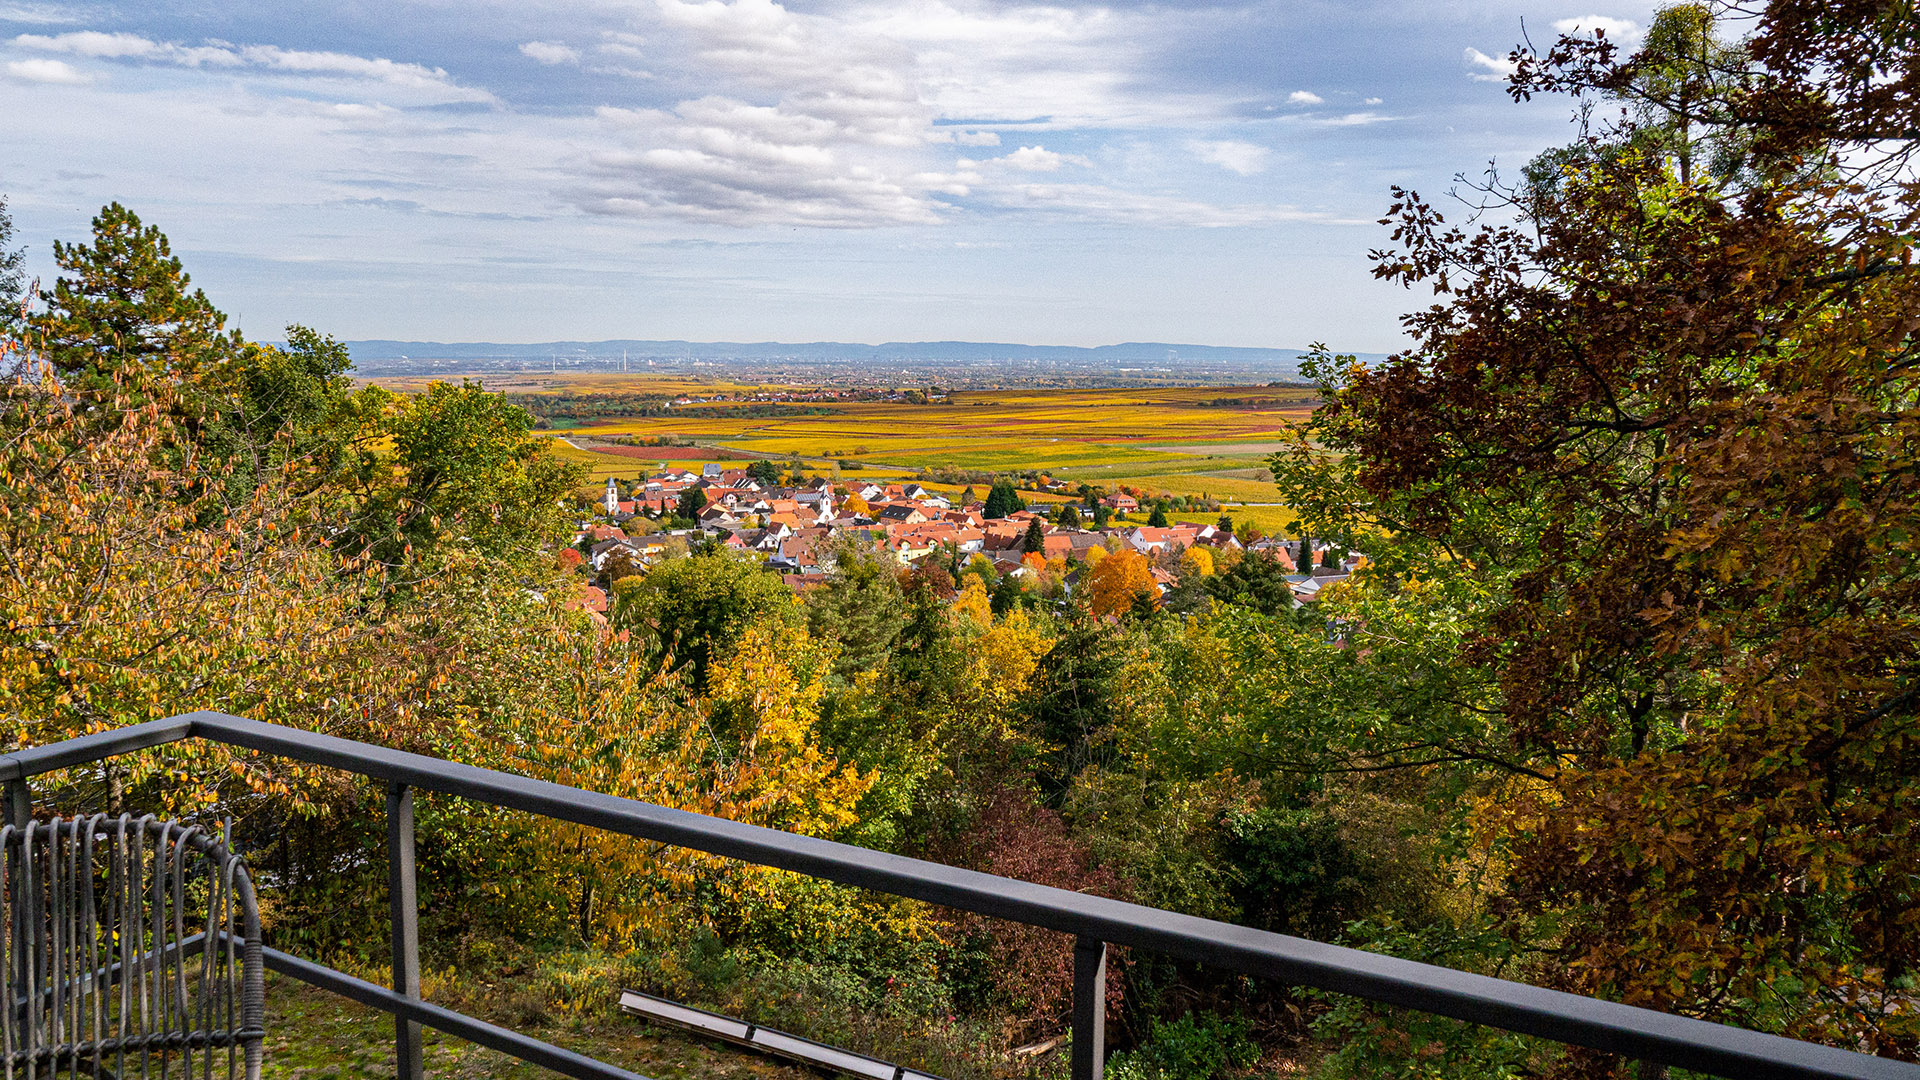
(132,947)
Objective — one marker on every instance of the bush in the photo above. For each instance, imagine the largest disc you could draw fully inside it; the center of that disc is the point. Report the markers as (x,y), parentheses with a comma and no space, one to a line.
(1197,1046)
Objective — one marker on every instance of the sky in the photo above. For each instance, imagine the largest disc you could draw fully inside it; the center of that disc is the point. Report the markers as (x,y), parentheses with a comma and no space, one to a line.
(745,170)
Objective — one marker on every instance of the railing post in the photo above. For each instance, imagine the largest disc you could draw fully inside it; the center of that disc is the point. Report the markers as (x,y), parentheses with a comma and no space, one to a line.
(1089,1008)
(405,911)
(19,803)
(19,811)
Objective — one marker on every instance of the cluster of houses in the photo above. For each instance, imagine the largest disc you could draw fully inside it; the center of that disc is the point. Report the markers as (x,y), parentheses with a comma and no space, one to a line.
(794,529)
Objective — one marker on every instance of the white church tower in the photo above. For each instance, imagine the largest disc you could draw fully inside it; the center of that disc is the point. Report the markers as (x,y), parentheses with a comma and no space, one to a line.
(613,496)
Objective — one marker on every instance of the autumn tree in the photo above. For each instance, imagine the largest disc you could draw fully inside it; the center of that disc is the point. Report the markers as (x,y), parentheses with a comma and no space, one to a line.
(1116,580)
(1198,560)
(1668,419)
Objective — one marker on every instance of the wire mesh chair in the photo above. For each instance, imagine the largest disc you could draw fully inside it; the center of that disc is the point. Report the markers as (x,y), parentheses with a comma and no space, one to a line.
(132,948)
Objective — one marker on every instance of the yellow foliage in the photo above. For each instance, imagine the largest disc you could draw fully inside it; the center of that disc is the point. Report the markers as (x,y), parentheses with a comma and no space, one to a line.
(745,752)
(1116,580)
(1198,560)
(1004,659)
(973,602)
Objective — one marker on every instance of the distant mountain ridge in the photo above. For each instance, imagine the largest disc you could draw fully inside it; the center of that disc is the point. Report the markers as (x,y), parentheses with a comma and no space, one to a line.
(1132,351)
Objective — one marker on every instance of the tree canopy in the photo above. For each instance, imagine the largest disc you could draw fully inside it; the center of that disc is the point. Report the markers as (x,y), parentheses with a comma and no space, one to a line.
(124,312)
(1667,419)
(1002,499)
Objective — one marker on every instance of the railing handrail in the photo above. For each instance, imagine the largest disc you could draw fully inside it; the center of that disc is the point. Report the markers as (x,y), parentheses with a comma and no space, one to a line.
(1607,1026)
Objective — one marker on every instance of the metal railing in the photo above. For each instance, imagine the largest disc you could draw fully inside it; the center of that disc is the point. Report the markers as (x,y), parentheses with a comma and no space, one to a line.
(1095,922)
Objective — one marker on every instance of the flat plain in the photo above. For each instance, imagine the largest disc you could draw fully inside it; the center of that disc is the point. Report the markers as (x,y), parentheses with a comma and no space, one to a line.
(1211,441)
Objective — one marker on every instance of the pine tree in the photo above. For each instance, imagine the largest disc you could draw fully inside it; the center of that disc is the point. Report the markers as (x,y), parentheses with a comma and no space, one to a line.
(128,314)
(1002,500)
(1036,537)
(692,501)
(13,279)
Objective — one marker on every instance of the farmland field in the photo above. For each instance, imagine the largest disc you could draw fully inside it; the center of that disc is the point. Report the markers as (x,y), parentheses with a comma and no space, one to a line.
(1181,441)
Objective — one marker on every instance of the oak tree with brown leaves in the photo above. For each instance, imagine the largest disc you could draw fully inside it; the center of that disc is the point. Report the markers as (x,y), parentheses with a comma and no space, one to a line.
(1672,411)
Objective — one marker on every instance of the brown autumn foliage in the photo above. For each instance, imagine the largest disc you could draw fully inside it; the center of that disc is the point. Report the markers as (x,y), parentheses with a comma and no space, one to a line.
(1020,839)
(1675,408)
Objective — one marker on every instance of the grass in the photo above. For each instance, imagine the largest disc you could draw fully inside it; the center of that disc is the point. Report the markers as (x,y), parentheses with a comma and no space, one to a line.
(314,1035)
(568,997)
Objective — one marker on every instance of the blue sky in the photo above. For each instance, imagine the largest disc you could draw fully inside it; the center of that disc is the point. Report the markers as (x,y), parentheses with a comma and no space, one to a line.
(866,170)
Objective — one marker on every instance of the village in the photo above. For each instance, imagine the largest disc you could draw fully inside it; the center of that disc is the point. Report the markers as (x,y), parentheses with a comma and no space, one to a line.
(1010,537)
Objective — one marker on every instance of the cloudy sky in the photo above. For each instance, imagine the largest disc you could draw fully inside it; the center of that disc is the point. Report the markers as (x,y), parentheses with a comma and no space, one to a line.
(860,170)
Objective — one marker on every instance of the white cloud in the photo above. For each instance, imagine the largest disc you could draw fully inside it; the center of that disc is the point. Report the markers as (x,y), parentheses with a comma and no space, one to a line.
(430,84)
(1372,101)
(44,14)
(772,116)
(551,52)
(1354,119)
(42,70)
(1622,31)
(1096,202)
(1492,68)
(1306,97)
(722,160)
(1029,159)
(119,46)
(1244,158)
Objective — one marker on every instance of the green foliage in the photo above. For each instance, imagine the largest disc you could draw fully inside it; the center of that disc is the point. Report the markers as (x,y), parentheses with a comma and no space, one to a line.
(1257,582)
(463,472)
(764,471)
(1195,1046)
(124,314)
(13,276)
(1035,538)
(690,612)
(692,502)
(861,606)
(1074,704)
(1002,500)
(1293,871)
(290,416)
(1158,518)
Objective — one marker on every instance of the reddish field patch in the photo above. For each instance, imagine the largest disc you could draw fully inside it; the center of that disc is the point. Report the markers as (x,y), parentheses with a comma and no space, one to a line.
(671,453)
